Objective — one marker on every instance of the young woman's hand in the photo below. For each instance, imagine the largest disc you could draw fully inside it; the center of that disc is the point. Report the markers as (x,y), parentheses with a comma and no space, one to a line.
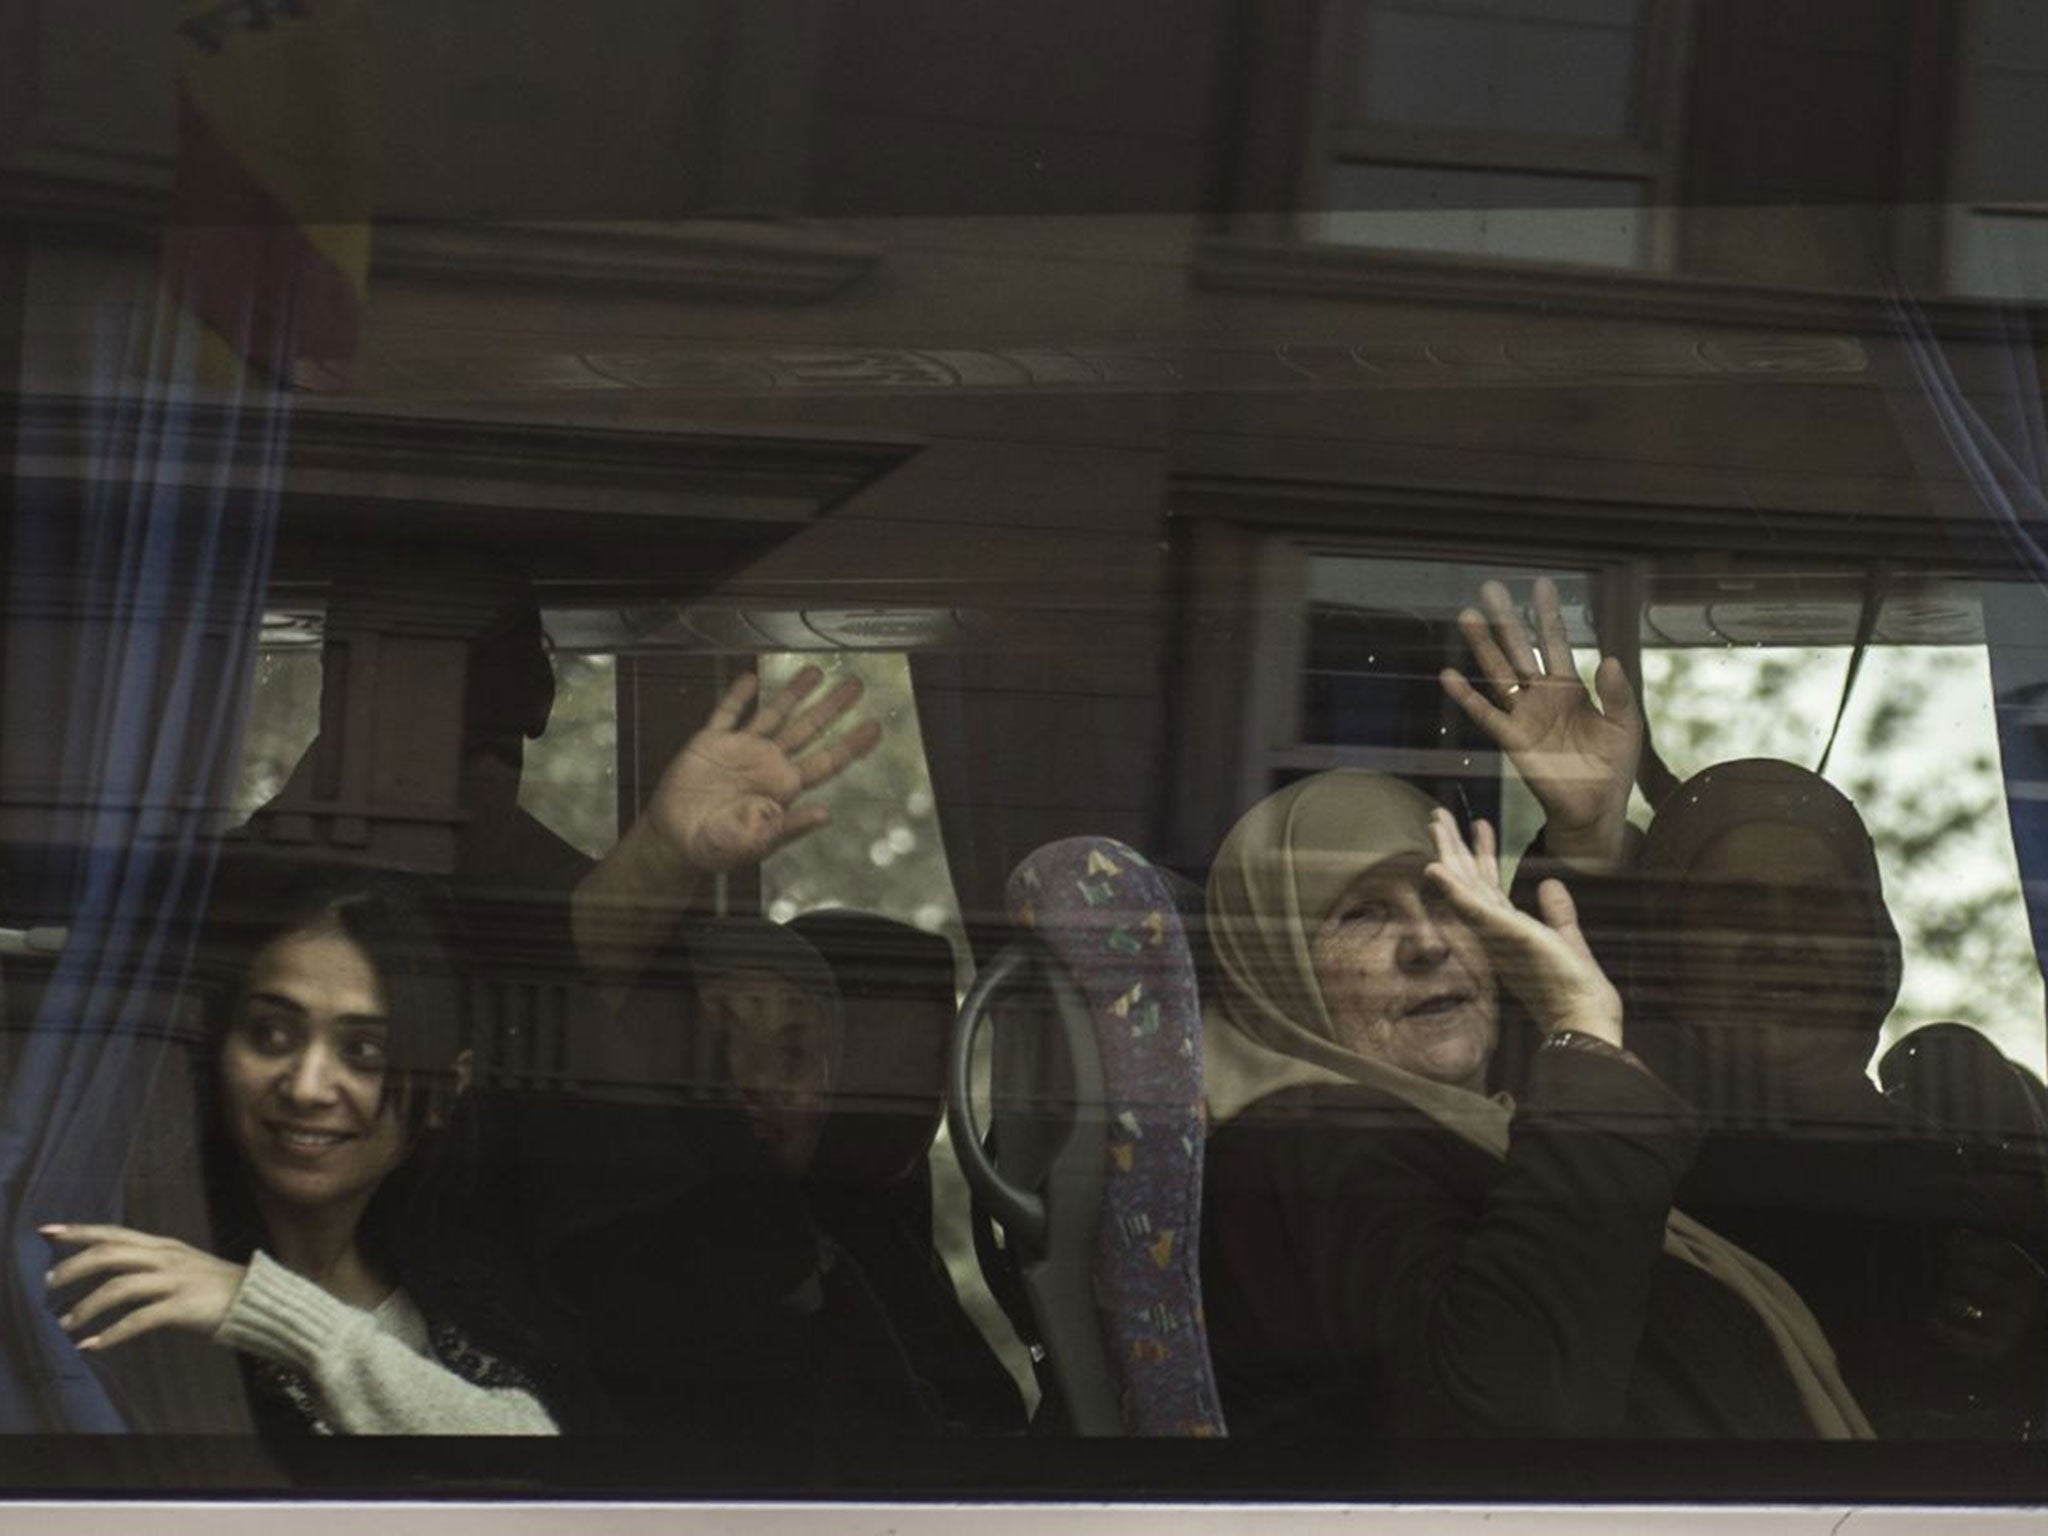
(164,1283)
(1546,963)
(727,800)
(1577,757)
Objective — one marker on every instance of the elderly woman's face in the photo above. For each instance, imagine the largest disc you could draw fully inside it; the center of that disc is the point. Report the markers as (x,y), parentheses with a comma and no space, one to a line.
(1404,981)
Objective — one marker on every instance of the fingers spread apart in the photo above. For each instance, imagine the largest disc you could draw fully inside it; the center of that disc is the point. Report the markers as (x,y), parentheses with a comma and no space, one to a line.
(1469,874)
(820,717)
(832,760)
(776,707)
(1501,675)
(777,719)
(1511,639)
(733,703)
(1557,645)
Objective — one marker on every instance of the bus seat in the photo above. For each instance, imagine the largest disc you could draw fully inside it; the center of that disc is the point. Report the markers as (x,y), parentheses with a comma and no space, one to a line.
(1093,1164)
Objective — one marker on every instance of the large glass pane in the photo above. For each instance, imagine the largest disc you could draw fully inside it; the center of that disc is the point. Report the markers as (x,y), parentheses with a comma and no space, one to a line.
(421,422)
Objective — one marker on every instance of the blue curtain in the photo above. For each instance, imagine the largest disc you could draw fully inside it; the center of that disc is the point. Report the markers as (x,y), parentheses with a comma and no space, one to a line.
(154,564)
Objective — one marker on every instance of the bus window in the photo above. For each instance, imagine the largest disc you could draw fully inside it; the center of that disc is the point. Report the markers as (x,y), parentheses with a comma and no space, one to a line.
(569,780)
(884,854)
(284,710)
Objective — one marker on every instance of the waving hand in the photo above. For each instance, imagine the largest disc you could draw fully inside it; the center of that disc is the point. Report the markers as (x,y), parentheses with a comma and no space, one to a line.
(1577,757)
(1545,961)
(725,802)
(728,799)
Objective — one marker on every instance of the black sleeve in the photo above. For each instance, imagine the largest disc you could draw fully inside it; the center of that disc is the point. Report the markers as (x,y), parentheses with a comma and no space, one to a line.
(1521,1314)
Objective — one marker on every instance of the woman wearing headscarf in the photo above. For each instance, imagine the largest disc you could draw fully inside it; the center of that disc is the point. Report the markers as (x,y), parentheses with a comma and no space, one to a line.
(1389,1251)
(1770,962)
(1760,962)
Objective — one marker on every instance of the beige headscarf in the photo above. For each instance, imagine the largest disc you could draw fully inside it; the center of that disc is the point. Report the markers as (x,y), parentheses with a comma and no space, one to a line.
(1279,873)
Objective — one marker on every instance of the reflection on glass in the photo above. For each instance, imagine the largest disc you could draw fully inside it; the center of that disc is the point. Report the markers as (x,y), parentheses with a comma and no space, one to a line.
(1918,755)
(1589,220)
(1504,64)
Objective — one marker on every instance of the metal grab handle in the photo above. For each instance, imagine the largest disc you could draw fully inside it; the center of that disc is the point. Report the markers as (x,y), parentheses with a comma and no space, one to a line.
(1021,1213)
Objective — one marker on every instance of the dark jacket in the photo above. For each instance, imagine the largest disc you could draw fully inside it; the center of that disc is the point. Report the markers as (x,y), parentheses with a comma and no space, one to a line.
(1369,1273)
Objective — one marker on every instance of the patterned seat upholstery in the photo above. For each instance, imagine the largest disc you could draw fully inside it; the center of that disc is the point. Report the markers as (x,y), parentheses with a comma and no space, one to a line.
(1096,1168)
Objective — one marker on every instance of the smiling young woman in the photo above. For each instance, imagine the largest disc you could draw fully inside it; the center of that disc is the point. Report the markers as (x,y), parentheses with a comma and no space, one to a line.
(335,1090)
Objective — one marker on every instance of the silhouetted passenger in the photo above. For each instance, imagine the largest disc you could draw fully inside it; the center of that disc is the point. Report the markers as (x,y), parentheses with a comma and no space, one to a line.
(1772,960)
(334,1091)
(840,1069)
(1767,938)
(1389,1252)
(744,1331)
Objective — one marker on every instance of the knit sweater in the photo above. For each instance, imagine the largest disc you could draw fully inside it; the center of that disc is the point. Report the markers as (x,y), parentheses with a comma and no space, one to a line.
(374,1372)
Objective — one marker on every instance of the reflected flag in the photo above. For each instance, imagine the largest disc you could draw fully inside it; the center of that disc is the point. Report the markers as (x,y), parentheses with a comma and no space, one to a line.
(269,243)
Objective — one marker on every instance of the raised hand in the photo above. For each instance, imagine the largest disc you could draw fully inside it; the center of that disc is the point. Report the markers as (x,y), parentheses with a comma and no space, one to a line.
(1546,963)
(727,799)
(164,1283)
(1577,757)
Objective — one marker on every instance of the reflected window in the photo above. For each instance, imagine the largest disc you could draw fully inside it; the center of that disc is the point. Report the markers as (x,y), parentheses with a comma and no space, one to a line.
(568,776)
(884,854)
(1527,66)
(1509,214)
(569,780)
(284,709)
(2001,247)
(1502,128)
